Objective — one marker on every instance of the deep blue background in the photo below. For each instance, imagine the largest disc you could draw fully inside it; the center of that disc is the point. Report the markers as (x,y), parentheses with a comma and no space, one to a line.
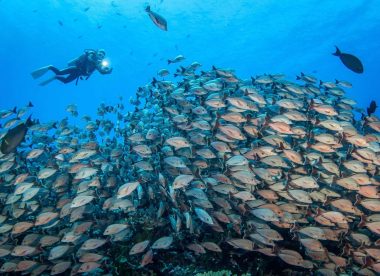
(254,37)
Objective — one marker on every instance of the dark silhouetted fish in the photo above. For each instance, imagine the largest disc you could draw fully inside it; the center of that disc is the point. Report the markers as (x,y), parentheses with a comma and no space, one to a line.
(372,108)
(157,19)
(14,137)
(350,61)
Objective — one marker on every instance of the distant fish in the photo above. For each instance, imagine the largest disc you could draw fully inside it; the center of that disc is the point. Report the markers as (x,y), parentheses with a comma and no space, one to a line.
(14,137)
(350,61)
(60,22)
(372,108)
(6,113)
(86,9)
(163,72)
(73,109)
(307,78)
(176,59)
(21,112)
(157,19)
(342,83)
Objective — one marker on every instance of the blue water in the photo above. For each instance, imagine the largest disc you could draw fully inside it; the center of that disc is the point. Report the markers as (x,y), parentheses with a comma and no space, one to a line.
(254,37)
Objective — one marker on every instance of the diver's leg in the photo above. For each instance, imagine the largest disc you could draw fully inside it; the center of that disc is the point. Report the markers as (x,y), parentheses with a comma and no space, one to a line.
(67,79)
(68,70)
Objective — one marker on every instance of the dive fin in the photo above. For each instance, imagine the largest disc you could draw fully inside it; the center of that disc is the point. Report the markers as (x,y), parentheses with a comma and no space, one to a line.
(47,81)
(40,72)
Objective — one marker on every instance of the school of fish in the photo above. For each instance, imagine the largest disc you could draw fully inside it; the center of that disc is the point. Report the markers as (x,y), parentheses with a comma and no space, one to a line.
(206,166)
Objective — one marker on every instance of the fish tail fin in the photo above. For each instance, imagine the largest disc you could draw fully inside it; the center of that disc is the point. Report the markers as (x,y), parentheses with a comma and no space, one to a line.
(169,61)
(14,110)
(336,81)
(282,147)
(29,121)
(337,52)
(302,74)
(30,104)
(266,120)
(213,67)
(147,9)
(298,77)
(248,116)
(362,221)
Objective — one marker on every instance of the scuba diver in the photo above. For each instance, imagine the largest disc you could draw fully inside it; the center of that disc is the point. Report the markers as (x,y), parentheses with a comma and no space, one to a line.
(79,68)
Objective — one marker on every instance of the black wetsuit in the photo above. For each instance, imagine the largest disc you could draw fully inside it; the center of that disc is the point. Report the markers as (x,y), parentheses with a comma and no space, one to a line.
(83,66)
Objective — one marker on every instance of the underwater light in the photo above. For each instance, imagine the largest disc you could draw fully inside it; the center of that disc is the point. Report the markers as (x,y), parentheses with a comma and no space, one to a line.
(105,63)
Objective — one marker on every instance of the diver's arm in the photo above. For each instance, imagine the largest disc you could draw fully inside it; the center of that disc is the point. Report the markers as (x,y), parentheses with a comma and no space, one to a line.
(89,72)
